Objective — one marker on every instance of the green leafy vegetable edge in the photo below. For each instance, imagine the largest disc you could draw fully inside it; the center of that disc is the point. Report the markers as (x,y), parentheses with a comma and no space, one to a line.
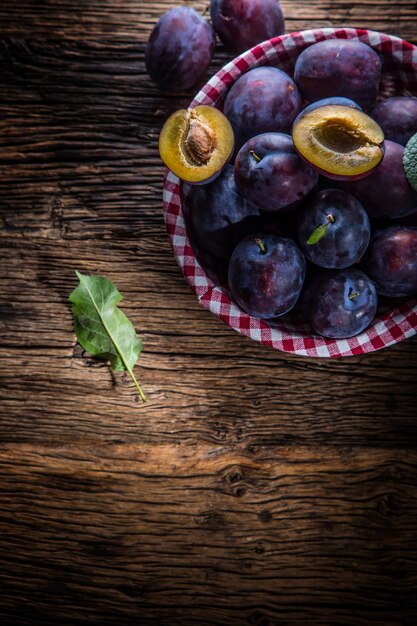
(101,328)
(410,161)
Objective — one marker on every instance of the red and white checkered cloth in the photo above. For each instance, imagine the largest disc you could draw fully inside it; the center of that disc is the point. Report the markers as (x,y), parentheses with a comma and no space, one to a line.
(399,76)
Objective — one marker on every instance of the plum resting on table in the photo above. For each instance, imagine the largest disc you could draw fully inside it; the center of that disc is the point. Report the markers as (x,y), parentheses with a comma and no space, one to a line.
(270,173)
(342,229)
(386,192)
(340,304)
(397,117)
(263,100)
(339,67)
(241,24)
(391,261)
(179,49)
(266,274)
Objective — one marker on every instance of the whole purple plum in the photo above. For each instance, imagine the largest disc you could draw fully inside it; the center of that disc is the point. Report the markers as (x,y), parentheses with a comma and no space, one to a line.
(386,192)
(179,49)
(241,24)
(333,229)
(339,67)
(340,304)
(391,261)
(269,172)
(397,117)
(266,274)
(263,100)
(218,217)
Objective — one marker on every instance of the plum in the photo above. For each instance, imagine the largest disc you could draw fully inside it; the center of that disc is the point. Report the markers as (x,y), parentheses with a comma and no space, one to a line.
(218,217)
(179,49)
(391,261)
(386,192)
(196,144)
(347,102)
(340,141)
(241,24)
(339,67)
(340,304)
(270,173)
(263,100)
(397,117)
(333,229)
(266,274)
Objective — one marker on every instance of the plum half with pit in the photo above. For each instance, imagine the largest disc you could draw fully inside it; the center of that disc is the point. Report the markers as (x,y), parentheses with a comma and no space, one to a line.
(340,304)
(397,117)
(270,173)
(196,144)
(340,141)
(339,67)
(266,274)
(333,229)
(218,217)
(241,24)
(179,49)
(391,261)
(386,192)
(263,100)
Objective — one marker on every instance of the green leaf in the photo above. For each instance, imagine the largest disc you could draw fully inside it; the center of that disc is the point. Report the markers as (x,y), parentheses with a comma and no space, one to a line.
(102,329)
(410,161)
(318,234)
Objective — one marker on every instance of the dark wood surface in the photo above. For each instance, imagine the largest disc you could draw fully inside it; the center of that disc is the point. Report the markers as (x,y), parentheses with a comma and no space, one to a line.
(254,488)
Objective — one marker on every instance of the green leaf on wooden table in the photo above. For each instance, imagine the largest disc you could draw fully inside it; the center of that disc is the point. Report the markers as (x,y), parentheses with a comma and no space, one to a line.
(102,329)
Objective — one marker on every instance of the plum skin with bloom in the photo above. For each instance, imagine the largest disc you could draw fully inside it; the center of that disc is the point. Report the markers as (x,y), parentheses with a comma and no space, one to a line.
(266,274)
(263,100)
(347,229)
(391,261)
(397,117)
(218,217)
(385,192)
(340,304)
(179,49)
(339,67)
(241,24)
(270,173)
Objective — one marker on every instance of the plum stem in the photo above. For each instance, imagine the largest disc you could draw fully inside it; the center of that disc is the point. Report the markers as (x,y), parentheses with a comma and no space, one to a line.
(205,11)
(255,156)
(353,294)
(261,245)
(330,218)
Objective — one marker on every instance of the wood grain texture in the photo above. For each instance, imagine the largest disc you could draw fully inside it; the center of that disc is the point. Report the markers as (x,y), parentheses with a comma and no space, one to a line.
(254,488)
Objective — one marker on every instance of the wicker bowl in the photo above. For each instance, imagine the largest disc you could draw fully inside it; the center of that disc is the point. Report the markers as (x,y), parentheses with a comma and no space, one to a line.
(399,77)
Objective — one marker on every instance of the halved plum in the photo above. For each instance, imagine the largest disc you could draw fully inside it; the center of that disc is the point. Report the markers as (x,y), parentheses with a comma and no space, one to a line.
(196,144)
(341,142)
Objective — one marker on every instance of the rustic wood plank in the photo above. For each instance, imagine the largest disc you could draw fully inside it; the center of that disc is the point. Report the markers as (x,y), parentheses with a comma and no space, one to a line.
(196,534)
(254,488)
(104,17)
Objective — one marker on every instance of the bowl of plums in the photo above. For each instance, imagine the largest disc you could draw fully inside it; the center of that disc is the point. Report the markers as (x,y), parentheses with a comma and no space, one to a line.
(290,192)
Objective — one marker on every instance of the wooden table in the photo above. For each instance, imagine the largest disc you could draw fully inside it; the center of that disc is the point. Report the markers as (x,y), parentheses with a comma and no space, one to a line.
(254,488)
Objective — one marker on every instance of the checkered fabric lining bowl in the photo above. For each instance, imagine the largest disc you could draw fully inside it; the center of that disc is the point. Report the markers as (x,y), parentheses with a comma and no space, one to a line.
(291,335)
